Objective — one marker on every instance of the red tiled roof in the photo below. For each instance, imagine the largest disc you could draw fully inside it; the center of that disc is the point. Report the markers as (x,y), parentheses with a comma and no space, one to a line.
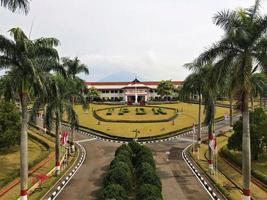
(127,83)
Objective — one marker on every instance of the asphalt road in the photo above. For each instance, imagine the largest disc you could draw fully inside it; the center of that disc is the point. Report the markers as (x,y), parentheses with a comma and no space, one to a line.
(178,182)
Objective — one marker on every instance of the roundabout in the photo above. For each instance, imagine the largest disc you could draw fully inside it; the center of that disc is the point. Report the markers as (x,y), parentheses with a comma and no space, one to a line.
(111,122)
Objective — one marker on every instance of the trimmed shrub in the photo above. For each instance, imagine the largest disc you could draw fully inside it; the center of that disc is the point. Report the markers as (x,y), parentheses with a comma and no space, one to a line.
(113,191)
(124,158)
(150,177)
(145,159)
(147,191)
(143,168)
(118,176)
(124,148)
(135,146)
(120,165)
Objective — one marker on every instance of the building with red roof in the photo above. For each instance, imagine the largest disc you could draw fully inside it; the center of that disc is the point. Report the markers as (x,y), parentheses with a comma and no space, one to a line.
(131,92)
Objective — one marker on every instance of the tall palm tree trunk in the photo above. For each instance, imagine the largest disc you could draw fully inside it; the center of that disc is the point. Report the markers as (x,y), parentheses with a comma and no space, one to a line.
(72,133)
(57,146)
(210,151)
(44,123)
(199,119)
(246,149)
(24,148)
(231,110)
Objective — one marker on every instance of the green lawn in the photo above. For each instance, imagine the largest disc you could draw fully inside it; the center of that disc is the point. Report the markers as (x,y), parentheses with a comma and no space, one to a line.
(225,170)
(10,160)
(185,119)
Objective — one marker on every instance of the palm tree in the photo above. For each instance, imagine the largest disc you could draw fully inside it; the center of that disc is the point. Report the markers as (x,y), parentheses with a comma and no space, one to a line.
(192,85)
(244,44)
(24,58)
(210,92)
(74,67)
(14,5)
(57,105)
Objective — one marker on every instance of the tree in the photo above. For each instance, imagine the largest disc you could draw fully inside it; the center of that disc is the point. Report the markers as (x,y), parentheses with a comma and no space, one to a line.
(92,93)
(14,5)
(113,191)
(73,68)
(165,88)
(258,86)
(192,85)
(258,123)
(148,191)
(243,49)
(58,104)
(9,124)
(25,59)
(210,92)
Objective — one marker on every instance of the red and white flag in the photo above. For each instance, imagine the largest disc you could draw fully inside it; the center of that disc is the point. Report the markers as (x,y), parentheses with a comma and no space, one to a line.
(64,138)
(212,142)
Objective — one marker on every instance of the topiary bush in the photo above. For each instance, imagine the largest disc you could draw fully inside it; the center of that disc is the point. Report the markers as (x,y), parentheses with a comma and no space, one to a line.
(149,177)
(113,191)
(125,149)
(120,165)
(147,191)
(123,158)
(118,176)
(143,168)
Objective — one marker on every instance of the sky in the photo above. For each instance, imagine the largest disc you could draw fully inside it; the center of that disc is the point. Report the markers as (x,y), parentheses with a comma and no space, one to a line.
(151,38)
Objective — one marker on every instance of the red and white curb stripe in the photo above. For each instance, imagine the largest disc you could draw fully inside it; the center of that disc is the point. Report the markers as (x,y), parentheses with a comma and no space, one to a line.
(206,186)
(65,181)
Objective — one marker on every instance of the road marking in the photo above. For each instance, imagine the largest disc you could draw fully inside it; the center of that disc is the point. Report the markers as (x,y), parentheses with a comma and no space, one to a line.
(86,140)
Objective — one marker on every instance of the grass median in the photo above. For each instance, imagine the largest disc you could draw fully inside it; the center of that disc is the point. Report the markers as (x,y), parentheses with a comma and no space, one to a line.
(226,178)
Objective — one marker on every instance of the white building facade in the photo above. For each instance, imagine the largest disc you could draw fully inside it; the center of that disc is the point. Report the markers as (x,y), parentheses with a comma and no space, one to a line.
(130,92)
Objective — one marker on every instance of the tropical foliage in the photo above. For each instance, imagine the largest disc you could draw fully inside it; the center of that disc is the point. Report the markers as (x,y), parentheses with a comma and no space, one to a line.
(165,88)
(9,124)
(258,125)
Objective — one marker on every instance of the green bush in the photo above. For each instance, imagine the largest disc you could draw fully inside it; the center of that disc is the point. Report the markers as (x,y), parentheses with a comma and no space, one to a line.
(113,191)
(149,177)
(143,168)
(135,146)
(147,191)
(10,124)
(123,158)
(118,176)
(120,165)
(124,148)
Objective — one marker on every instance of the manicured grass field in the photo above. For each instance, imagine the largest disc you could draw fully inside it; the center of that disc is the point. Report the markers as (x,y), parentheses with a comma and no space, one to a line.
(225,170)
(10,160)
(185,119)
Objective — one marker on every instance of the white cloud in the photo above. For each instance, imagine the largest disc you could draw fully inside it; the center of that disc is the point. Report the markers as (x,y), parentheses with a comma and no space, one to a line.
(153,38)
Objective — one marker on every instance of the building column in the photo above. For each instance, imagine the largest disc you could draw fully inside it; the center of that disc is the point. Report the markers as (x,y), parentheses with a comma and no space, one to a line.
(145,98)
(136,97)
(126,98)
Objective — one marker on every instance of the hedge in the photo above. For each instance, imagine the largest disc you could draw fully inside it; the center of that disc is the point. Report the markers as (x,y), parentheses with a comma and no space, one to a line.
(229,156)
(118,176)
(132,160)
(148,191)
(113,191)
